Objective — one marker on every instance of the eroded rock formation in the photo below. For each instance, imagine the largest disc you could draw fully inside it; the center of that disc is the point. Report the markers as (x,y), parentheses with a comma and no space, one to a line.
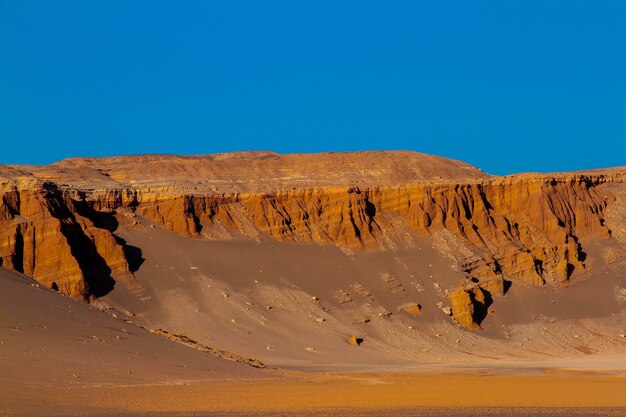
(471,301)
(57,238)
(58,223)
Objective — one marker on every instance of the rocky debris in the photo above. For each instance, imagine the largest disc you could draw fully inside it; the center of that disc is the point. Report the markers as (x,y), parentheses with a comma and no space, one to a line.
(363,291)
(343,297)
(413,309)
(233,357)
(445,309)
(354,340)
(393,284)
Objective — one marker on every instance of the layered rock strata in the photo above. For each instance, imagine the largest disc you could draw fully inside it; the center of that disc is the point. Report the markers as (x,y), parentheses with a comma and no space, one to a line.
(58,223)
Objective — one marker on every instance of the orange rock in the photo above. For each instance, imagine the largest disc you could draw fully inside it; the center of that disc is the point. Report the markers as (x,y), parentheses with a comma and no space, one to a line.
(470,302)
(57,222)
(46,238)
(464,305)
(354,340)
(413,309)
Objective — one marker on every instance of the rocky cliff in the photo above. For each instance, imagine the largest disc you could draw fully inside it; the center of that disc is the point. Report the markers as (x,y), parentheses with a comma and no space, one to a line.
(58,223)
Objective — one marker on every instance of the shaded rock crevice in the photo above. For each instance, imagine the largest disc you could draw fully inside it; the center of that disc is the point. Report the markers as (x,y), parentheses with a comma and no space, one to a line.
(59,240)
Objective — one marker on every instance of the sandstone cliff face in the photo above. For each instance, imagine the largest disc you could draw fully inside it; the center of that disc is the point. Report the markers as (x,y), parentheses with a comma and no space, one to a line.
(524,228)
(58,225)
(50,236)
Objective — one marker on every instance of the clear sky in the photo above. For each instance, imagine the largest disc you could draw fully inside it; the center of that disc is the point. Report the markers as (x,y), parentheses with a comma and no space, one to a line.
(505,85)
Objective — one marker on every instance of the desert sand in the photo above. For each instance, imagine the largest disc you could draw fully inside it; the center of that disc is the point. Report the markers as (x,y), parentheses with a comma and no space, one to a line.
(234,283)
(317,395)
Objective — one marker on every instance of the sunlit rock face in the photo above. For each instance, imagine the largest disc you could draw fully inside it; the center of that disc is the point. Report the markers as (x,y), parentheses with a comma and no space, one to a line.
(58,223)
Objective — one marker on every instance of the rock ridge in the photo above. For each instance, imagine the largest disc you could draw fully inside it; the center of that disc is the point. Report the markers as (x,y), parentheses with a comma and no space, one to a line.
(60,227)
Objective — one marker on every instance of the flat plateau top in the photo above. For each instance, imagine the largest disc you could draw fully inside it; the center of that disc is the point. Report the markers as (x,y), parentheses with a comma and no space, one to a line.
(253,172)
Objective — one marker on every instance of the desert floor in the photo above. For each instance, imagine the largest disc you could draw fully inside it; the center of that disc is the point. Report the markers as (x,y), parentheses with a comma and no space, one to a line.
(578,393)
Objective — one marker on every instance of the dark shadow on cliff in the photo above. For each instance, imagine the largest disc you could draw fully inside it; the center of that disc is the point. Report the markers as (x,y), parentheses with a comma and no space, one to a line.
(96,271)
(133,254)
(108,221)
(18,258)
(481,309)
(506,285)
(370,209)
(582,255)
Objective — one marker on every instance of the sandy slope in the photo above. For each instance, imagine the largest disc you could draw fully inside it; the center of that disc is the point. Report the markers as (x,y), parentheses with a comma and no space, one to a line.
(534,352)
(286,305)
(47,339)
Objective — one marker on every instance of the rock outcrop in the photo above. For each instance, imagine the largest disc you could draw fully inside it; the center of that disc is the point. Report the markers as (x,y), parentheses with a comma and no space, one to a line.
(58,239)
(58,223)
(470,302)
(354,340)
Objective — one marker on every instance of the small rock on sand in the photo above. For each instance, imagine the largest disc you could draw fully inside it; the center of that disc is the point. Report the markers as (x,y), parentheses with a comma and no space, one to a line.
(354,340)
(412,308)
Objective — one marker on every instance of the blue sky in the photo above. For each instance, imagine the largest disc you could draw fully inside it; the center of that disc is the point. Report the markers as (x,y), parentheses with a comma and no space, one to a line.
(508,86)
